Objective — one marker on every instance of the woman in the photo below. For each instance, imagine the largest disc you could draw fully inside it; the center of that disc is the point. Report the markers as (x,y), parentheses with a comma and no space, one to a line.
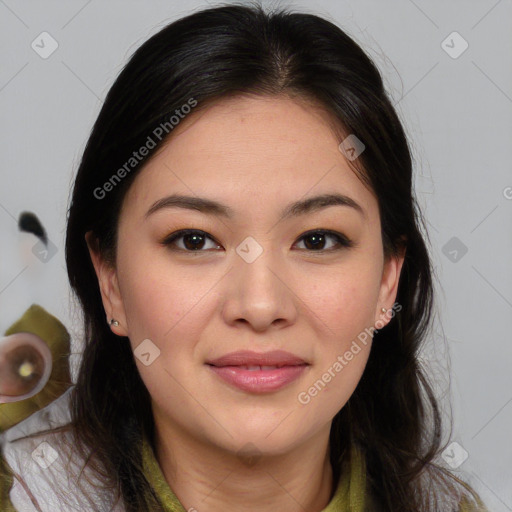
(245,245)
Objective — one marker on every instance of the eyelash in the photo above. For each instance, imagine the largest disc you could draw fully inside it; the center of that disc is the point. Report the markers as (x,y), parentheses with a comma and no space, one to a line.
(343,241)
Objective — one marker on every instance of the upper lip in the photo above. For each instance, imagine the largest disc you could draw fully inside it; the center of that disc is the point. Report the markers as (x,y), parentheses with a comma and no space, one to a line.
(248,357)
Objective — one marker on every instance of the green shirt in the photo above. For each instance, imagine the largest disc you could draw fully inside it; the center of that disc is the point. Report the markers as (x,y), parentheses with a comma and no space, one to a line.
(350,494)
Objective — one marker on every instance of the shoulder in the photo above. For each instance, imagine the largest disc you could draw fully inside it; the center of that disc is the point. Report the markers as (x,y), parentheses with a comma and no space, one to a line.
(48,474)
(440,489)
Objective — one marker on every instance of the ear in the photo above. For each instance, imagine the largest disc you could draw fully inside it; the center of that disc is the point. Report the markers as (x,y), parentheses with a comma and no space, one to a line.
(109,286)
(389,288)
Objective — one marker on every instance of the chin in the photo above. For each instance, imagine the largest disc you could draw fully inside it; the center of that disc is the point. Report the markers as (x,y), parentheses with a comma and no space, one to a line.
(250,441)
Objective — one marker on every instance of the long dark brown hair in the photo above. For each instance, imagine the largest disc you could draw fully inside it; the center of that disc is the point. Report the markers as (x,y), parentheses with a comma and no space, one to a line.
(393,415)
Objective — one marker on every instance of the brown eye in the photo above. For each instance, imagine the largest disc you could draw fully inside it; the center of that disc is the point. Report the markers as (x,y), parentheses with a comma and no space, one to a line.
(192,240)
(317,240)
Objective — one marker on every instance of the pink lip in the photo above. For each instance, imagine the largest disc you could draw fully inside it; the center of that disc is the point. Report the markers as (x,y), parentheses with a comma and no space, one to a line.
(247,357)
(231,369)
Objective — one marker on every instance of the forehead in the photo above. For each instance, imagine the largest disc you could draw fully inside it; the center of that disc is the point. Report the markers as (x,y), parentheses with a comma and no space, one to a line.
(252,151)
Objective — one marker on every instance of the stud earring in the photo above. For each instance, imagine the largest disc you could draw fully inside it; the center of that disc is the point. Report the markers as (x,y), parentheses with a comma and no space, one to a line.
(113,322)
(384,310)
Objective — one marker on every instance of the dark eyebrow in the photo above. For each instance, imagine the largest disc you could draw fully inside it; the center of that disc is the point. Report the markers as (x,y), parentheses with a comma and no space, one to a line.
(209,206)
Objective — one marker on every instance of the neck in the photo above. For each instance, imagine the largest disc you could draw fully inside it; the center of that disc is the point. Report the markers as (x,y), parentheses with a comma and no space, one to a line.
(205,477)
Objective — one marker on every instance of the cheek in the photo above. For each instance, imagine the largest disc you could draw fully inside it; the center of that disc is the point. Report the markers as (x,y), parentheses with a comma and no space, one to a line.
(344,299)
(171,311)
(163,303)
(332,385)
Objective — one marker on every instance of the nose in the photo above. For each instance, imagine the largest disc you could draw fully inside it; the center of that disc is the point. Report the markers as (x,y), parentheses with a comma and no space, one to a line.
(259,293)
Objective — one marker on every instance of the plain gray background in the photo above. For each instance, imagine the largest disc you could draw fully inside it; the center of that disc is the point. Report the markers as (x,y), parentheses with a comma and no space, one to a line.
(456,108)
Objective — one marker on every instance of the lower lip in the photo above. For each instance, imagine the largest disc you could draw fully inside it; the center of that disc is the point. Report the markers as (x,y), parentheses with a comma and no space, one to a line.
(259,381)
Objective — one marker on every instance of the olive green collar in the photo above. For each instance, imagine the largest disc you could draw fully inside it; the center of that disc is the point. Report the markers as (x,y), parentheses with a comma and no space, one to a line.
(349,495)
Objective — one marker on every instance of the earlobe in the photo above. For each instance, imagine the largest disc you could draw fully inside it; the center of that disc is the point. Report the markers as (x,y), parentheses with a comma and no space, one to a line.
(106,275)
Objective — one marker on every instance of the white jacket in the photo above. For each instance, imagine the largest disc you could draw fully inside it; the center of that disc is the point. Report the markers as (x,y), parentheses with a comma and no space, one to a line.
(46,467)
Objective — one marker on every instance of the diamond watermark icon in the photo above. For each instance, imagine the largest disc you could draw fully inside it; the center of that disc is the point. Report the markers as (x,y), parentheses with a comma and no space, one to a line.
(249,454)
(352,147)
(44,252)
(454,45)
(146,352)
(44,45)
(45,455)
(454,249)
(455,455)
(249,249)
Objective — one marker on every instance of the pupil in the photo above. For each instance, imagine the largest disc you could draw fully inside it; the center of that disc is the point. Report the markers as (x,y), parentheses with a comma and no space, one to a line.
(195,237)
(318,238)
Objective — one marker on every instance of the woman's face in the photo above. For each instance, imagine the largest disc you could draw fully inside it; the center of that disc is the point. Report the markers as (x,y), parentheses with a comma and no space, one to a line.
(251,278)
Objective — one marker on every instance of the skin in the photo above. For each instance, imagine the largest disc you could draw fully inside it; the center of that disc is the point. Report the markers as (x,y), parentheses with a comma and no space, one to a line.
(256,155)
